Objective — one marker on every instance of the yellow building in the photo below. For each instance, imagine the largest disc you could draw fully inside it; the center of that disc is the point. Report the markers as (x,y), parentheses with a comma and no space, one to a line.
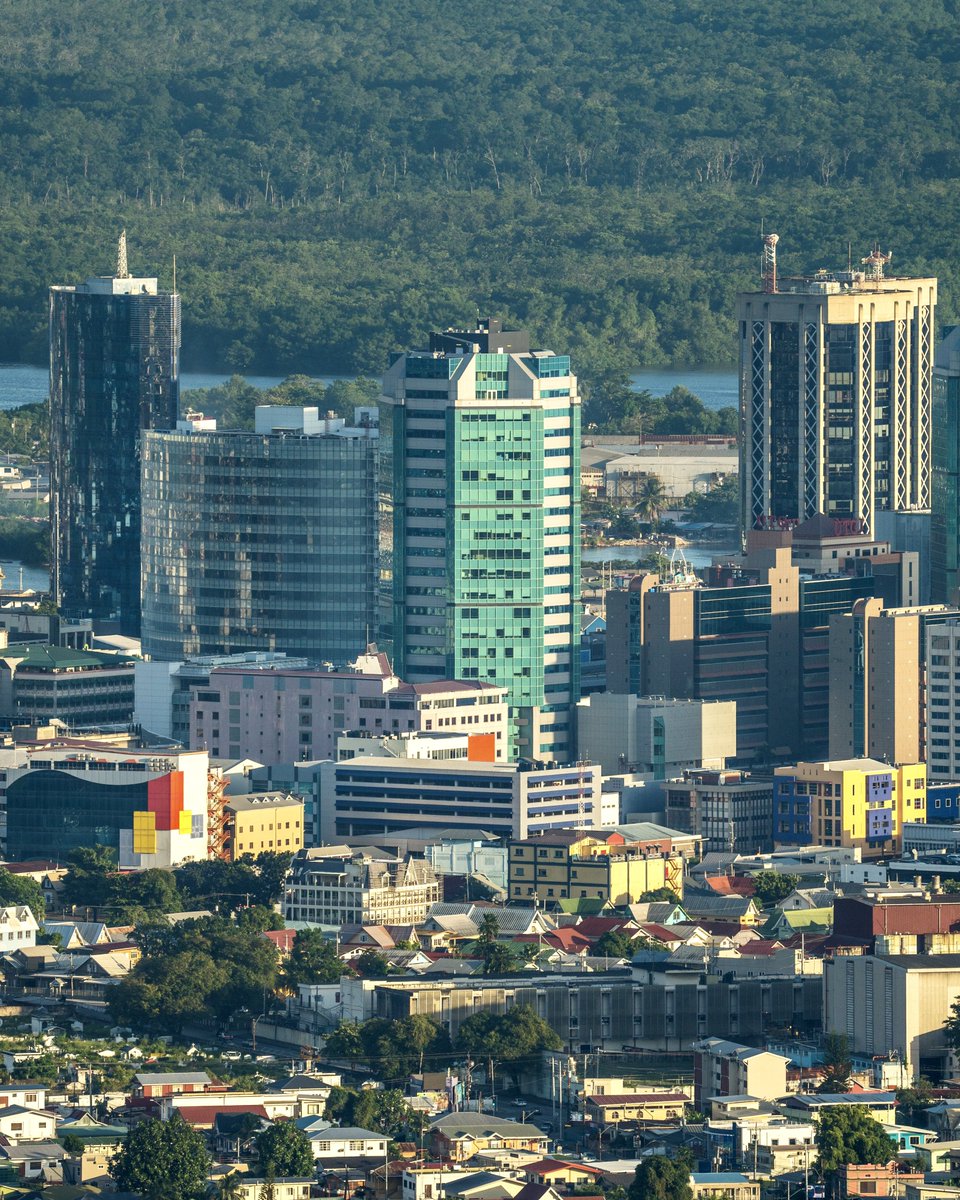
(264,821)
(575,865)
(855,802)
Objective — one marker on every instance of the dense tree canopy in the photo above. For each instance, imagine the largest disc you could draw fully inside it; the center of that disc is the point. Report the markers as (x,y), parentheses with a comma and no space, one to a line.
(284,1151)
(847,1134)
(162,1160)
(21,889)
(194,970)
(335,181)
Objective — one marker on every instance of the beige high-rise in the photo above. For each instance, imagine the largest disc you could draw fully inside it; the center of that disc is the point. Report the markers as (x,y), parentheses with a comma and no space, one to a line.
(877,692)
(835,397)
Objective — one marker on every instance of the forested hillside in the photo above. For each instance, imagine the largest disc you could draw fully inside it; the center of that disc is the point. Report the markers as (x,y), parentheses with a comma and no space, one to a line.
(336,178)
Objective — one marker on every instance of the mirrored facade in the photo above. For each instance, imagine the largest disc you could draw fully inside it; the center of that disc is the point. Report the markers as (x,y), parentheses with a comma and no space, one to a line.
(259,542)
(114,373)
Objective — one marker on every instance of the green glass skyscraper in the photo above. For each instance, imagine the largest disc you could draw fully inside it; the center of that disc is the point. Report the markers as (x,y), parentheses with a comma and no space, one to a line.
(480,553)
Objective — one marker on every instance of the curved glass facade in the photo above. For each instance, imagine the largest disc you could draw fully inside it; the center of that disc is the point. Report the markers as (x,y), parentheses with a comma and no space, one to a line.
(258,542)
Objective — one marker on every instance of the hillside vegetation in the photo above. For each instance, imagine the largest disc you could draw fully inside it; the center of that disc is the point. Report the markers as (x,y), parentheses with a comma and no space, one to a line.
(337,178)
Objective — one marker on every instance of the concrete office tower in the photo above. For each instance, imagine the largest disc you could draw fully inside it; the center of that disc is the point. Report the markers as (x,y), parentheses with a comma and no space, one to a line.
(877,680)
(262,541)
(759,638)
(114,373)
(481,439)
(835,395)
(654,736)
(945,515)
(943,700)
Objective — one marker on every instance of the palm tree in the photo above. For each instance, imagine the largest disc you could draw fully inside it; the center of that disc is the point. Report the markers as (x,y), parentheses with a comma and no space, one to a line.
(650,498)
(228,1187)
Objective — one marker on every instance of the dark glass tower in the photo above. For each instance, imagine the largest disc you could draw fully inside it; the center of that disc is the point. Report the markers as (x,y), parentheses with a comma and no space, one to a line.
(114,372)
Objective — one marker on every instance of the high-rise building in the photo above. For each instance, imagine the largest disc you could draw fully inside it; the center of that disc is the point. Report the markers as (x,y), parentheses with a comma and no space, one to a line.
(877,680)
(481,440)
(835,395)
(943,699)
(114,373)
(262,541)
(945,514)
(758,636)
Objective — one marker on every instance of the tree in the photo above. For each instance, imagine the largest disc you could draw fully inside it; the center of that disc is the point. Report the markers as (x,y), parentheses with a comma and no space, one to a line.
(91,878)
(951,1027)
(73,1145)
(662,1178)
(346,1041)
(838,1065)
(372,965)
(162,1160)
(381,1109)
(847,1134)
(770,887)
(720,503)
(229,1186)
(313,959)
(21,889)
(650,498)
(912,1103)
(514,1039)
(661,895)
(614,944)
(283,1151)
(497,958)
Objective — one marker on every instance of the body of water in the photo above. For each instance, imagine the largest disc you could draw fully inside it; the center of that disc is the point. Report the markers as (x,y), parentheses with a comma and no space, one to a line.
(697,555)
(35,578)
(716,388)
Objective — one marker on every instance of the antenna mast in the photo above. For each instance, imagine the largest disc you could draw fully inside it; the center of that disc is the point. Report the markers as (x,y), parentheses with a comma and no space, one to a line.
(122,272)
(876,260)
(770,262)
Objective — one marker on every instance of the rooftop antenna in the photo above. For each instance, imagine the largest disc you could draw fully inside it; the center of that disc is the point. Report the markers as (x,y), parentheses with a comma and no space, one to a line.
(770,262)
(876,260)
(122,272)
(174,274)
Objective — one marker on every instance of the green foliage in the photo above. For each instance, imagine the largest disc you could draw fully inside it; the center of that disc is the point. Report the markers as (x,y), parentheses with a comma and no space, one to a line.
(372,965)
(73,1145)
(598,177)
(197,969)
(26,431)
(233,403)
(393,1050)
(838,1065)
(913,1102)
(382,1110)
(847,1134)
(661,895)
(26,540)
(284,1151)
(233,886)
(514,1039)
(770,887)
(952,1026)
(162,1160)
(720,504)
(662,1178)
(21,889)
(615,944)
(314,959)
(497,958)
